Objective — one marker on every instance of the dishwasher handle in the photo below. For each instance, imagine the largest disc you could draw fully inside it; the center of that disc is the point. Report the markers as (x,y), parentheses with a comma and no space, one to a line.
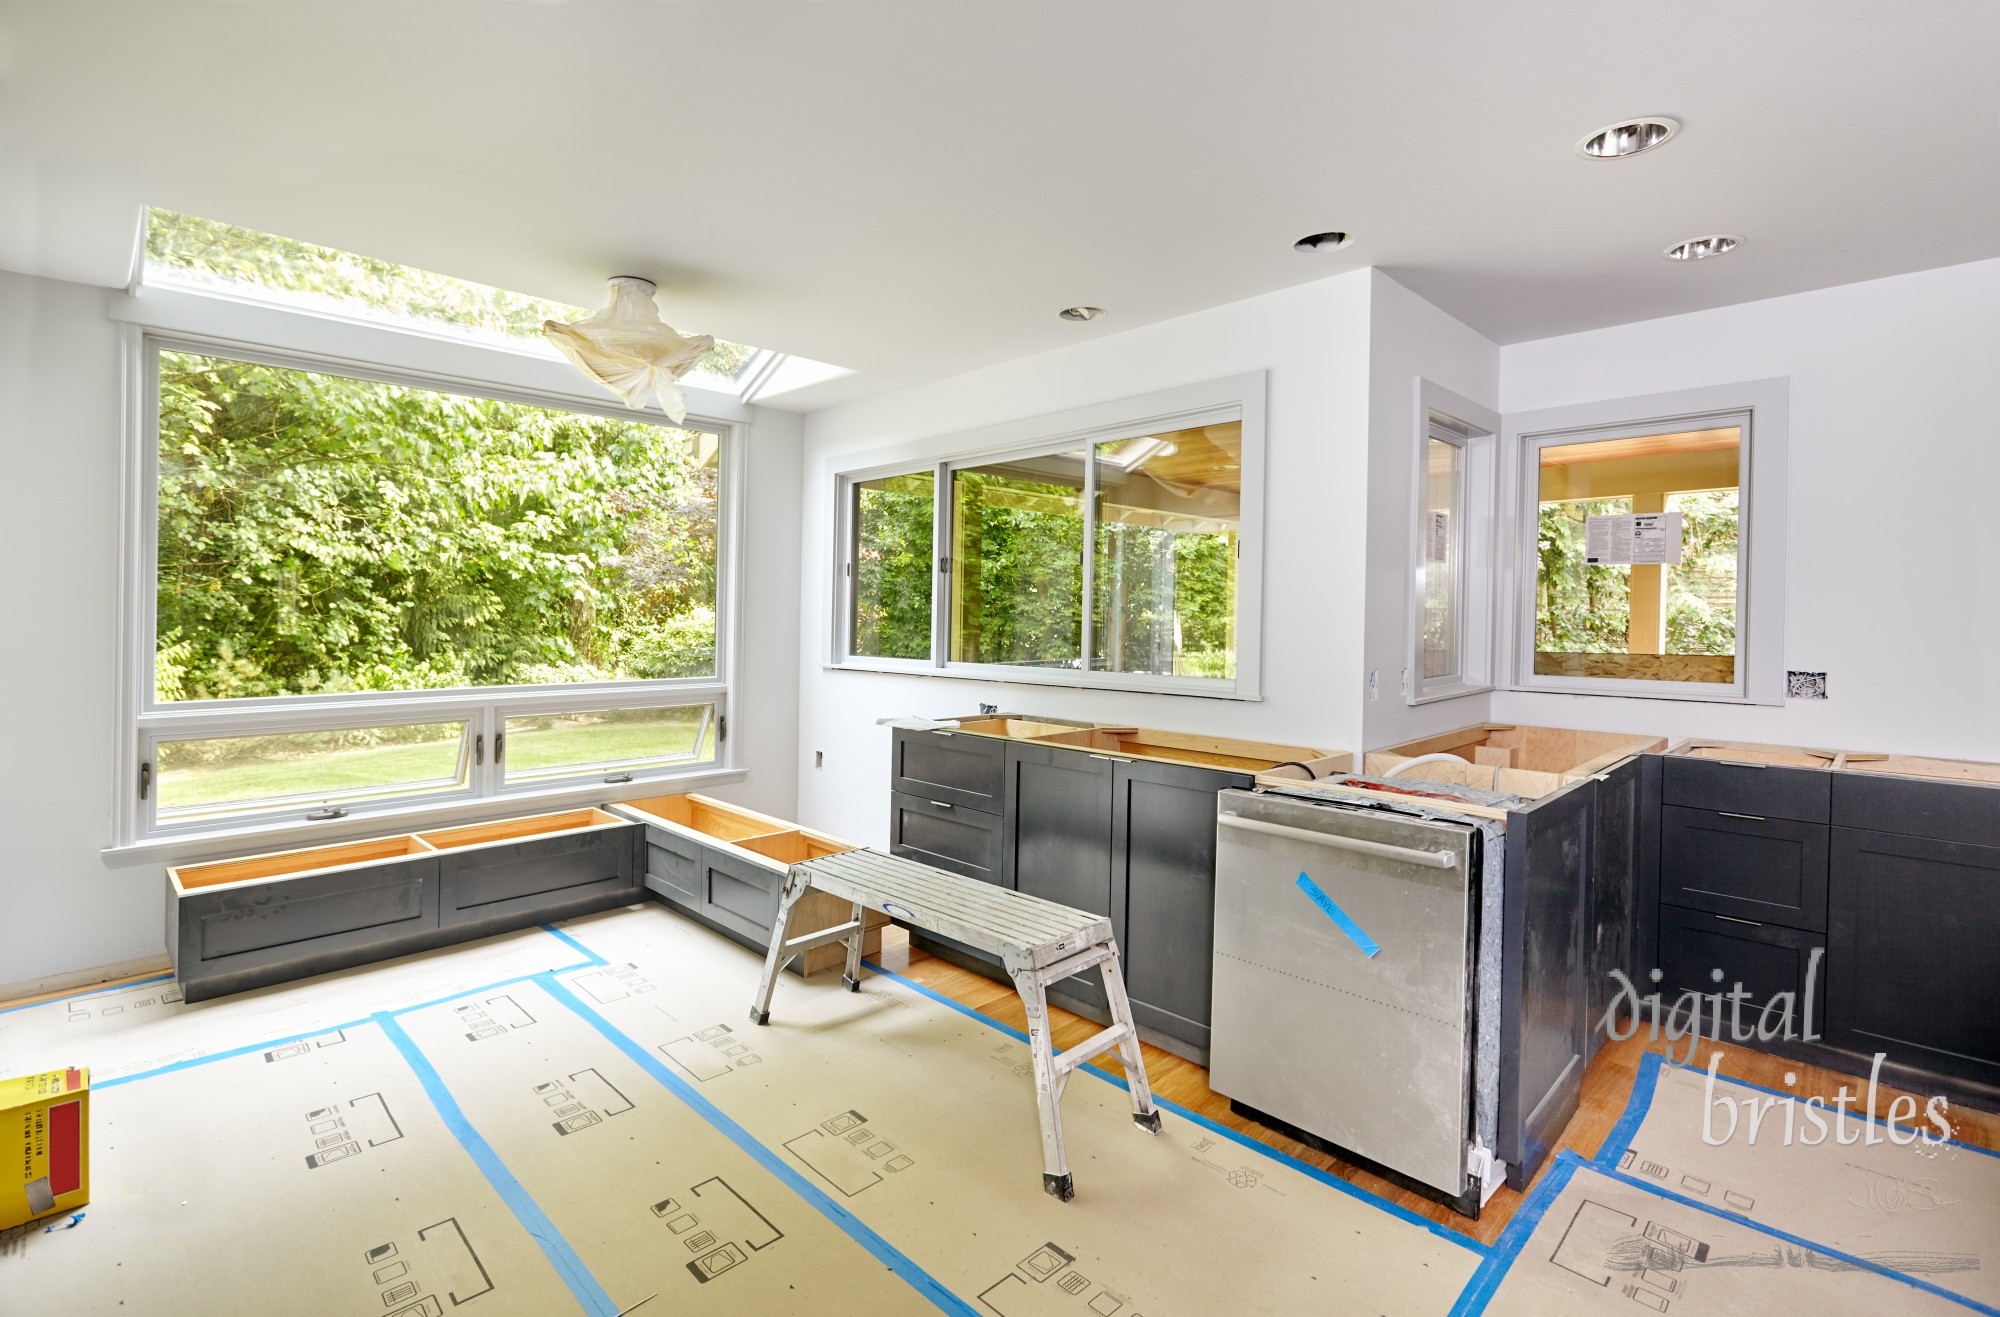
(1409,855)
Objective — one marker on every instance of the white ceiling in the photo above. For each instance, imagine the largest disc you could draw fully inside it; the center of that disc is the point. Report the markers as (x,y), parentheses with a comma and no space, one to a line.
(912,188)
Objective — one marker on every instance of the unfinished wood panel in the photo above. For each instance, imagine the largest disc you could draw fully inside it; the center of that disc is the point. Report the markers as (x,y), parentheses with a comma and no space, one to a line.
(1387,795)
(1741,752)
(540,825)
(1204,751)
(1493,756)
(1943,770)
(794,847)
(711,818)
(285,863)
(1534,761)
(1712,669)
(1018,729)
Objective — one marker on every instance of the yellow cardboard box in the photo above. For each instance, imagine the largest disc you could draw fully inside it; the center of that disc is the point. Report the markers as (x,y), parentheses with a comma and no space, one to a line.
(47,1117)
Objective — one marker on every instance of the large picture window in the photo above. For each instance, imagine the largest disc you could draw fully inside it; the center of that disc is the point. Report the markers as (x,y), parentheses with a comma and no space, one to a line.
(368,593)
(1114,556)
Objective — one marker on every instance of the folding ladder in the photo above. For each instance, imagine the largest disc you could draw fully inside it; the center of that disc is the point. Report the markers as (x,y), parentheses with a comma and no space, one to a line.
(1038,941)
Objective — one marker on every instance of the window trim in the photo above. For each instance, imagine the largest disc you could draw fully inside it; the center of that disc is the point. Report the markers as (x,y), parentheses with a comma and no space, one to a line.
(1476,435)
(1239,398)
(390,356)
(1763,408)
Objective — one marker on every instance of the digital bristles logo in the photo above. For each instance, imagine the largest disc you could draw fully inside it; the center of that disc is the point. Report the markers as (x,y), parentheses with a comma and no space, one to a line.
(1808,1121)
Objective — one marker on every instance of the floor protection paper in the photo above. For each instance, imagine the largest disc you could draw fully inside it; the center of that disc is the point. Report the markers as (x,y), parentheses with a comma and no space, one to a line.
(1592,1241)
(311,1178)
(1923,1206)
(142,1027)
(920,1120)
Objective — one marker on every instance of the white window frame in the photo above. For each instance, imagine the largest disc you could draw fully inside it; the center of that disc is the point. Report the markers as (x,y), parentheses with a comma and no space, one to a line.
(1474,430)
(1239,398)
(1763,409)
(158,320)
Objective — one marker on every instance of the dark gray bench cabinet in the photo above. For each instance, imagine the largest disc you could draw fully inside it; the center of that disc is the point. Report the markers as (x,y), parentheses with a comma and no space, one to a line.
(233,925)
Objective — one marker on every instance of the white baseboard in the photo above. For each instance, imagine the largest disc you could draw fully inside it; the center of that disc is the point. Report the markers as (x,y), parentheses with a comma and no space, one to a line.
(84,978)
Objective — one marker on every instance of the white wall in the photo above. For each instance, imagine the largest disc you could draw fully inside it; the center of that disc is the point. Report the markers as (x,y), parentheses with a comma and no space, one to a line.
(1408,339)
(1313,341)
(1893,555)
(63,910)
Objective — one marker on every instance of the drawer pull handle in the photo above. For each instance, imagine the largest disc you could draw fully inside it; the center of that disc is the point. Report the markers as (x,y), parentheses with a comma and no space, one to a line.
(1741,763)
(1734,920)
(942,804)
(1754,818)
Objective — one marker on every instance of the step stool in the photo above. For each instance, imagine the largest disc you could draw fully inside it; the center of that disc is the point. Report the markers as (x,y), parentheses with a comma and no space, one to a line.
(1038,941)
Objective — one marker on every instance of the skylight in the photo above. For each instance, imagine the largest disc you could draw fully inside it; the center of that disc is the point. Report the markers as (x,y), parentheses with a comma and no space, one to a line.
(191,252)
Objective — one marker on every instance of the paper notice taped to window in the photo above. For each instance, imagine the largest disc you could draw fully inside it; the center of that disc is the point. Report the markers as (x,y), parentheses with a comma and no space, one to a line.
(1437,537)
(1632,539)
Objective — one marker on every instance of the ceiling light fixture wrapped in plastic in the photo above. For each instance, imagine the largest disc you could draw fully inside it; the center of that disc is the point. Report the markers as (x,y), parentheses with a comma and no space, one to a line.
(628,349)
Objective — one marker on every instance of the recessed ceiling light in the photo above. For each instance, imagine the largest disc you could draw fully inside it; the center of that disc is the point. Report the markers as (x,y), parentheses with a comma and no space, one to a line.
(1628,138)
(1081,312)
(1322,242)
(1700,249)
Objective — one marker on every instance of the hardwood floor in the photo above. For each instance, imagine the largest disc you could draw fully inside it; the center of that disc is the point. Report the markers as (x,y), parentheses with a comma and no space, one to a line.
(1606,1085)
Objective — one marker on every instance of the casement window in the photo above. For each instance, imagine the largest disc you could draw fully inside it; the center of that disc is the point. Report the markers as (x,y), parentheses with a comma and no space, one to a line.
(1113,546)
(367,593)
(1451,548)
(1650,547)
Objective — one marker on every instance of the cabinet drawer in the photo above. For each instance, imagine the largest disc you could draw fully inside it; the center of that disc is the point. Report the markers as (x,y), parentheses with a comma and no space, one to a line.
(673,866)
(961,841)
(1910,942)
(521,883)
(1914,807)
(740,895)
(1768,790)
(953,767)
(1765,958)
(1768,870)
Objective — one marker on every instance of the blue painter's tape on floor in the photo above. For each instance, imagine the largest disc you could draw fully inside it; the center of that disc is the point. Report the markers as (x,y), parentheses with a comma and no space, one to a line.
(1341,919)
(589,1294)
(881,1249)
(1221,1131)
(590,957)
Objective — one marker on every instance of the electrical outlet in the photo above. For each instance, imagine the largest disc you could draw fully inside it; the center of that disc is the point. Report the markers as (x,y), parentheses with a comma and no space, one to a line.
(1374,683)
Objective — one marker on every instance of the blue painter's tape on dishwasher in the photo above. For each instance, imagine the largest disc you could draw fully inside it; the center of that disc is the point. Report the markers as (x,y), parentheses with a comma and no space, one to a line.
(1341,919)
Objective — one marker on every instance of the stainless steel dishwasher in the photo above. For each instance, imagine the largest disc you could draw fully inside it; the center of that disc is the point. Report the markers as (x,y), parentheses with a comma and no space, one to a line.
(1346,943)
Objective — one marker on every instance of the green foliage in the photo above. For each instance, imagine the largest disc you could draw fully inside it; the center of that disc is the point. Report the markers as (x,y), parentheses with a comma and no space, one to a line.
(319,533)
(1022,599)
(1581,609)
(892,567)
(343,281)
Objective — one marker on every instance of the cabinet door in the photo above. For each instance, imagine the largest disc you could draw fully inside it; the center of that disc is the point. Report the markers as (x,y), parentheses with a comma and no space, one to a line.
(954,767)
(1767,870)
(1911,969)
(1767,959)
(1543,995)
(1057,834)
(963,841)
(1163,890)
(1612,902)
(740,894)
(523,883)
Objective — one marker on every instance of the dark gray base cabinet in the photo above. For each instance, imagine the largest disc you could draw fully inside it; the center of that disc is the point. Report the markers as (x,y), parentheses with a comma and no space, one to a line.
(1132,839)
(233,937)
(720,889)
(1913,952)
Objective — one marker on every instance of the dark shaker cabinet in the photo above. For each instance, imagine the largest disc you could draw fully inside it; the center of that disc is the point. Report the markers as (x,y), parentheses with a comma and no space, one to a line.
(1056,835)
(1163,889)
(1058,825)
(1544,991)
(1612,899)
(1911,963)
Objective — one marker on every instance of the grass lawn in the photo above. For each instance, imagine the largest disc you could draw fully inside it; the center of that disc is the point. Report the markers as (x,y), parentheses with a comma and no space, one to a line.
(550,743)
